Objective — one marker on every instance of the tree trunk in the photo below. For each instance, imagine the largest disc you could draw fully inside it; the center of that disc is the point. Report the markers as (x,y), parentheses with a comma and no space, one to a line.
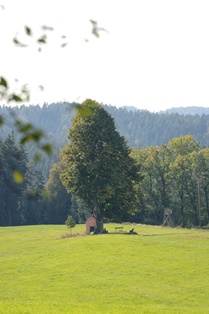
(181,196)
(98,216)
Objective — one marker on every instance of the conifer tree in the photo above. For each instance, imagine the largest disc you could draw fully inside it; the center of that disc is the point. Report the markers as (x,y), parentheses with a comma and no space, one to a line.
(13,162)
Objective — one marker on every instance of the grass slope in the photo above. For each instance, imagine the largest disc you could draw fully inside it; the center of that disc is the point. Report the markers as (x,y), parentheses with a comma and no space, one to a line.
(160,270)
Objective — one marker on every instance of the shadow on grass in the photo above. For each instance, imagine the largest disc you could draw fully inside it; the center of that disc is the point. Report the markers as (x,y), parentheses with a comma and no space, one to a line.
(124,233)
(161,234)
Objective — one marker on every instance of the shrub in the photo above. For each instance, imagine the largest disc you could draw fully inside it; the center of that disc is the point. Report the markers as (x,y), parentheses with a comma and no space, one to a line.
(70,222)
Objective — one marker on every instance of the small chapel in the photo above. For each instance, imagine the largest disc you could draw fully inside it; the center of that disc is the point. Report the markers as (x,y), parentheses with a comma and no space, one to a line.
(91,225)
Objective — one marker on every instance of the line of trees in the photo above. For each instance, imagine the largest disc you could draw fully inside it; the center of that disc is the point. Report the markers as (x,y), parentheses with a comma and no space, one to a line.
(21,202)
(31,201)
(99,174)
(176,176)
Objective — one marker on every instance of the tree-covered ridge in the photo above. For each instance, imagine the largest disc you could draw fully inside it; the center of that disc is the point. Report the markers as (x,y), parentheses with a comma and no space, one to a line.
(188,110)
(53,119)
(144,129)
(140,128)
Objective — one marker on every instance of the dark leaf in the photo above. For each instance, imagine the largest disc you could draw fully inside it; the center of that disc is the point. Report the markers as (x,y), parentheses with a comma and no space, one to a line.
(1,120)
(37,158)
(42,39)
(93,22)
(28,31)
(26,139)
(94,28)
(47,148)
(3,82)
(18,43)
(95,32)
(25,128)
(14,97)
(35,137)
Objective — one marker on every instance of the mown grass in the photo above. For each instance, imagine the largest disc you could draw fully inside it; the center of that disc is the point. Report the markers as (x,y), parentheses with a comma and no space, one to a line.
(160,270)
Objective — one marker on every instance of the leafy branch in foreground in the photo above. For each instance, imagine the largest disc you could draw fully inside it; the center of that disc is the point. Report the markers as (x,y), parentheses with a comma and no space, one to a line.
(21,95)
(29,134)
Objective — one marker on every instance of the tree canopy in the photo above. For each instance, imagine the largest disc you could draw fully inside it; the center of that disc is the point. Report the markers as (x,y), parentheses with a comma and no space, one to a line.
(99,169)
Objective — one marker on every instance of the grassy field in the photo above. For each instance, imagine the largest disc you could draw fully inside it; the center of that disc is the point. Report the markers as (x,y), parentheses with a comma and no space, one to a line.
(160,270)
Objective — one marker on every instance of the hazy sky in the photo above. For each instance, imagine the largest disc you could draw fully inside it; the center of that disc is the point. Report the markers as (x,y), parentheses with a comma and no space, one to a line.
(154,56)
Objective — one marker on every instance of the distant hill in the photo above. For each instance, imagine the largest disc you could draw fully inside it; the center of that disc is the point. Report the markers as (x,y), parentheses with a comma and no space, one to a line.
(188,110)
(141,128)
(144,128)
(130,108)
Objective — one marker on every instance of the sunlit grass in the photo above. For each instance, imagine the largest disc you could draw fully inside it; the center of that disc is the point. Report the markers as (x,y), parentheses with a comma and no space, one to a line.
(160,270)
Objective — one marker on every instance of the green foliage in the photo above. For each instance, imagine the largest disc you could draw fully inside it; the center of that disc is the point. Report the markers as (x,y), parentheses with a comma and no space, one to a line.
(1,121)
(96,29)
(28,30)
(8,96)
(60,203)
(23,200)
(39,270)
(13,167)
(3,82)
(70,222)
(140,128)
(99,169)
(174,176)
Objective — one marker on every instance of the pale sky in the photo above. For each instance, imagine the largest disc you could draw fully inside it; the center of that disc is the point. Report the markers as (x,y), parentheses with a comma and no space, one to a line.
(154,56)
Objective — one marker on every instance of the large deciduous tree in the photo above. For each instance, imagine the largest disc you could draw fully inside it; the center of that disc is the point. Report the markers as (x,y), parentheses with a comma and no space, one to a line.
(182,178)
(99,169)
(154,189)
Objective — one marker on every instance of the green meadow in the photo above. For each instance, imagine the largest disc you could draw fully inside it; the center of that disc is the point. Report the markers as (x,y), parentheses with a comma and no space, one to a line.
(159,270)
